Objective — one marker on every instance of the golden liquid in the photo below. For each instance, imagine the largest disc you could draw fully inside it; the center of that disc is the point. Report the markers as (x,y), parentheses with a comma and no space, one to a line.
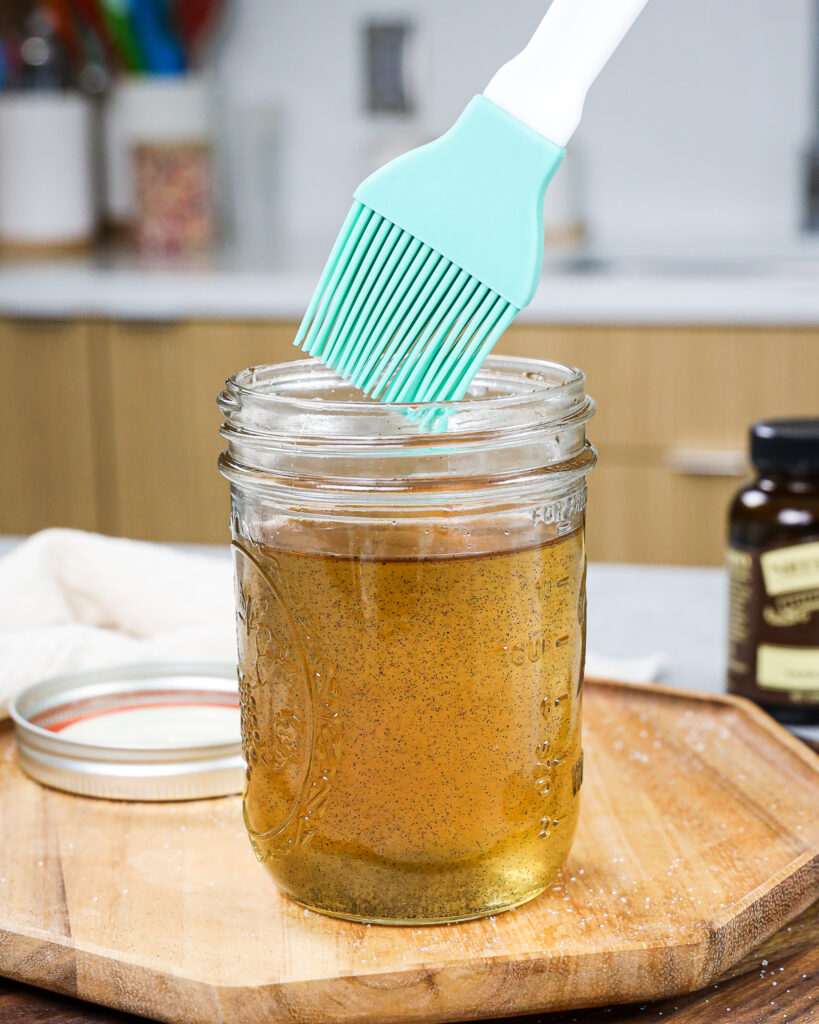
(412,727)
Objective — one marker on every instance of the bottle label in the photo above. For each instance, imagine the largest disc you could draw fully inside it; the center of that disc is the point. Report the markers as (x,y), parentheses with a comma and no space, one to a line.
(792,571)
(787,668)
(774,624)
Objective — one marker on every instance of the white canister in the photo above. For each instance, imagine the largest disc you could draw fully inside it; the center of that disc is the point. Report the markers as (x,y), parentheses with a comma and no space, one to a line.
(147,109)
(46,176)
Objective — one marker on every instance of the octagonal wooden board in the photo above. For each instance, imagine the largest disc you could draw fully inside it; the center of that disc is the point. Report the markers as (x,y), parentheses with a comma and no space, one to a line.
(699,837)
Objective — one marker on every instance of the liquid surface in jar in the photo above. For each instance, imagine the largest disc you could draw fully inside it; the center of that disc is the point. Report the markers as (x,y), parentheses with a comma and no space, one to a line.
(412,726)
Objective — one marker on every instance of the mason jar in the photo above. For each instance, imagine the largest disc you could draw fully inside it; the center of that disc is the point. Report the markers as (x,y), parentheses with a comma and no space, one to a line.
(410,600)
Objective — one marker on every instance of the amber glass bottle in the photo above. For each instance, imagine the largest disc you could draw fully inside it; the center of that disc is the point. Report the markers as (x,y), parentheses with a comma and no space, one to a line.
(773,560)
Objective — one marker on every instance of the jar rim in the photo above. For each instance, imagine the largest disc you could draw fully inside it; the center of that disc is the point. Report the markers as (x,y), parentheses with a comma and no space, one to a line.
(297,428)
(250,381)
(509,393)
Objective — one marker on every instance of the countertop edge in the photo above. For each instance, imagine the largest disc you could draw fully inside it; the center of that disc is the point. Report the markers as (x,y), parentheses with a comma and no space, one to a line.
(45,291)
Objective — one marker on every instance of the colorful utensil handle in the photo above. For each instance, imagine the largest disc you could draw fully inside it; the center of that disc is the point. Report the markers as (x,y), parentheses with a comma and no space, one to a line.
(160,50)
(545,85)
(115,13)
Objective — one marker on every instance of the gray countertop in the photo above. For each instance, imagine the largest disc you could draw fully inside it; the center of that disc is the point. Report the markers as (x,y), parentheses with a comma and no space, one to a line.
(680,613)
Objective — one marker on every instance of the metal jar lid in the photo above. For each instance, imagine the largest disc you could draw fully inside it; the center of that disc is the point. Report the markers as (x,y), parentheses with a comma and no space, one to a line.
(134,732)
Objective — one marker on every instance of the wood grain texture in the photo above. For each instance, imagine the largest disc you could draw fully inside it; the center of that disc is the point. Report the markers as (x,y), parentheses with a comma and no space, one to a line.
(662,389)
(689,387)
(698,839)
(639,511)
(162,479)
(48,459)
(790,958)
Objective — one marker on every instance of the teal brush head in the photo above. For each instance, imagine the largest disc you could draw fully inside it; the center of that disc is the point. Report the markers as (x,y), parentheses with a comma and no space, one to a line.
(443,246)
(441,250)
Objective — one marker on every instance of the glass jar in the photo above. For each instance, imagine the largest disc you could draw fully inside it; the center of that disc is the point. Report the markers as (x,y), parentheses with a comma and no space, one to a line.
(410,593)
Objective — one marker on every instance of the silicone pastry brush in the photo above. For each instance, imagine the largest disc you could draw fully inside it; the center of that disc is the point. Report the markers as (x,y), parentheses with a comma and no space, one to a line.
(443,246)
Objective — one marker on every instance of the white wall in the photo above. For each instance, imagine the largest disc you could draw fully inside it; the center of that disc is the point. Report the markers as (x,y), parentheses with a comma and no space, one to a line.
(694,132)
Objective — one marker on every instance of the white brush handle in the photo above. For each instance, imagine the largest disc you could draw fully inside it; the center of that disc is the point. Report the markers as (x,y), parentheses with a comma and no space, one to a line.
(546,84)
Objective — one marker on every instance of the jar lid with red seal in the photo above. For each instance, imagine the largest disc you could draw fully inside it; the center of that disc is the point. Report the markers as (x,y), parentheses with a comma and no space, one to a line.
(134,732)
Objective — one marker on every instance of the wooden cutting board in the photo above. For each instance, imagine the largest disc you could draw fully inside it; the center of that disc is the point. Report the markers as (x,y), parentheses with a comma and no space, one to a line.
(698,838)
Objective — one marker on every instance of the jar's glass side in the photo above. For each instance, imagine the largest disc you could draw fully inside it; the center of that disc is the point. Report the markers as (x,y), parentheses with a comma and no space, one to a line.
(412,724)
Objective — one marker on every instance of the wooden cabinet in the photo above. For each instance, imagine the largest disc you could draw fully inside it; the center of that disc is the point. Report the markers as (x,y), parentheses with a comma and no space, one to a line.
(673,410)
(114,426)
(642,512)
(661,388)
(49,466)
(164,379)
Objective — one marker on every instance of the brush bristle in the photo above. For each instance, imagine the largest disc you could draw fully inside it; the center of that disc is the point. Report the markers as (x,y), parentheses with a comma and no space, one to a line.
(398,319)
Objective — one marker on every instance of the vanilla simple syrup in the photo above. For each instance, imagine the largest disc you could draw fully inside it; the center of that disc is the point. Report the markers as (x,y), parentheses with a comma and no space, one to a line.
(411,726)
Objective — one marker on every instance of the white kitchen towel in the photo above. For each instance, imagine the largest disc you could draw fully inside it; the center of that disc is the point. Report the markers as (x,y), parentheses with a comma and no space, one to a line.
(71,600)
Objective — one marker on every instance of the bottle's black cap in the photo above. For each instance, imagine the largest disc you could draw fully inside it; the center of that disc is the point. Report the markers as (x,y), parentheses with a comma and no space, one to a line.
(786,446)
